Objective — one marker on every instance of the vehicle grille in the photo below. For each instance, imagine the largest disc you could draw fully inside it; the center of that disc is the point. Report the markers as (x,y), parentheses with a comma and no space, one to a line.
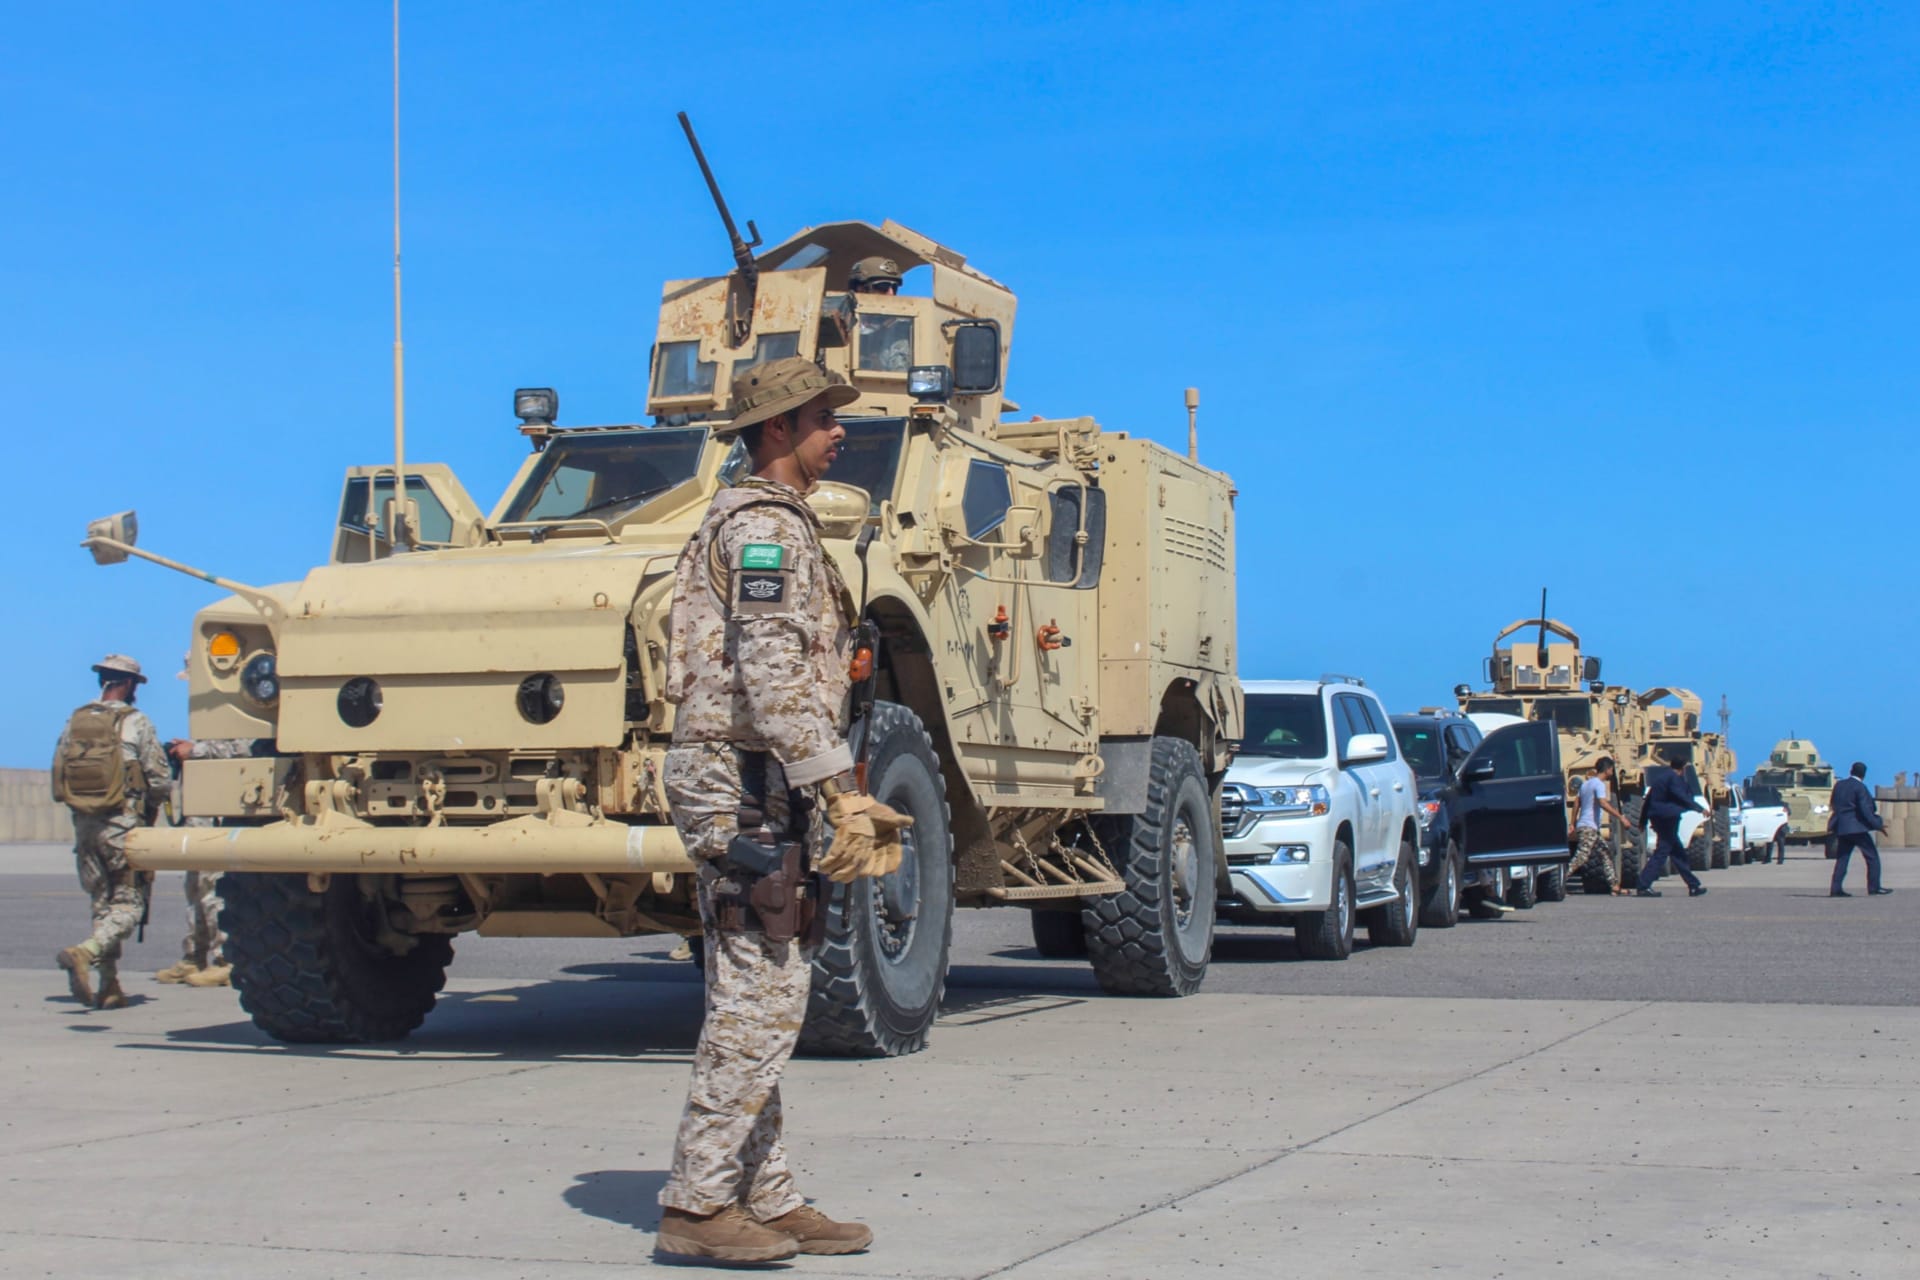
(1234,818)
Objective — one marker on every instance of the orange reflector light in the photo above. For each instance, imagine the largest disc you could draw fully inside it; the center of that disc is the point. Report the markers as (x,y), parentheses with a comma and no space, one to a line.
(223,644)
(862,665)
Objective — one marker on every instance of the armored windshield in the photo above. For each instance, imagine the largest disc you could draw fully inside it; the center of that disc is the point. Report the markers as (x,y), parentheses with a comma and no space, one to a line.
(869,457)
(1291,726)
(1497,706)
(600,474)
(1566,713)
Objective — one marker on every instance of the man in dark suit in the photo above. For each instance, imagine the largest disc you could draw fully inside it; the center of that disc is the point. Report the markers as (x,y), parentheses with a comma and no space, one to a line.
(1668,797)
(1852,824)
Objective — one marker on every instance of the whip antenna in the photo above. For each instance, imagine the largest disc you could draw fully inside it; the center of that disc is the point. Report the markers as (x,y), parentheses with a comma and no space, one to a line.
(399,528)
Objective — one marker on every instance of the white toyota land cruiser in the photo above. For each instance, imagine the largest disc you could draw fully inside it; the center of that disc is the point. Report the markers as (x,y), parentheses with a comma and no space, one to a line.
(1318,816)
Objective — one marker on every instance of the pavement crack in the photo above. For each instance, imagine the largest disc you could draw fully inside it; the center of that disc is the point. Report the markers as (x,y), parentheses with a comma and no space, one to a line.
(1167,1202)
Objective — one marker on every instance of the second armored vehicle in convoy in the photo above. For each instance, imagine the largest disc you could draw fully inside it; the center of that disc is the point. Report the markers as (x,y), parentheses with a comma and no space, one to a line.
(1550,679)
(1803,782)
(466,706)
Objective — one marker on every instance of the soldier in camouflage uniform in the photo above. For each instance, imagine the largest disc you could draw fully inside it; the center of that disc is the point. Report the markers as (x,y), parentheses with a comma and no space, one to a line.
(118,892)
(203,960)
(760,638)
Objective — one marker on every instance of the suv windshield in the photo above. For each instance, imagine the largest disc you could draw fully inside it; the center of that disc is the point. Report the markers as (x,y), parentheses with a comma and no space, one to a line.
(1292,726)
(1420,744)
(602,473)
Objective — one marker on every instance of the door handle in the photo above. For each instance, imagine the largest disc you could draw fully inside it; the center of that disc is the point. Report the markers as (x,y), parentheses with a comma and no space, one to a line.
(1375,793)
(1549,798)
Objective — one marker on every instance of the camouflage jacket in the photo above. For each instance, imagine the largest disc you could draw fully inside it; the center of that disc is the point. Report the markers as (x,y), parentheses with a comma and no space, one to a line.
(760,634)
(148,770)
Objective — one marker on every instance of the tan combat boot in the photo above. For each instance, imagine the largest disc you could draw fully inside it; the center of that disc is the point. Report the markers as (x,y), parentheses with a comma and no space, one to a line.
(817,1233)
(219,975)
(78,962)
(177,972)
(111,996)
(730,1235)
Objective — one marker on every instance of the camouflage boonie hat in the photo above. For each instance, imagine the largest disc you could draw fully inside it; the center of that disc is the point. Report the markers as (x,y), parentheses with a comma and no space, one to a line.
(119,664)
(778,386)
(874,271)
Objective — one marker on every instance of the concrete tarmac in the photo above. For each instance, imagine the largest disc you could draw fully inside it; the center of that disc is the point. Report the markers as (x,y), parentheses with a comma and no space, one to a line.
(1451,1110)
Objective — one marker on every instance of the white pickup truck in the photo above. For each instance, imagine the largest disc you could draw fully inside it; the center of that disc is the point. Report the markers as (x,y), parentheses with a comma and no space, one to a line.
(1758,826)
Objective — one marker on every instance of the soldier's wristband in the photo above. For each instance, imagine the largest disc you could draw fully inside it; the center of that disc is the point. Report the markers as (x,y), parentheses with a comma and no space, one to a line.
(815,769)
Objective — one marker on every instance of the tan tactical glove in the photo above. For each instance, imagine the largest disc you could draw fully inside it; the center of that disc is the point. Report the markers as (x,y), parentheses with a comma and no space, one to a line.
(866,838)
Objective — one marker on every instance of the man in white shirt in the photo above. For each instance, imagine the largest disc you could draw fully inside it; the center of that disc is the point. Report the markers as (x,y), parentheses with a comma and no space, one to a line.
(1591,843)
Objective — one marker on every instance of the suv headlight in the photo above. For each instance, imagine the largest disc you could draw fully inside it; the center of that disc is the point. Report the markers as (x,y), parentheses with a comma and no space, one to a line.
(1295,802)
(1425,812)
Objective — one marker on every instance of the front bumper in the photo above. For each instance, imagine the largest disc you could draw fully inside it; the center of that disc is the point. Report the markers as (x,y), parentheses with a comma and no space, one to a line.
(527,844)
(1265,881)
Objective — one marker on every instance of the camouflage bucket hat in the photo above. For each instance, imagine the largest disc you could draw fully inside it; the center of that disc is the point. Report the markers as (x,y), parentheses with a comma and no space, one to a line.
(778,386)
(119,664)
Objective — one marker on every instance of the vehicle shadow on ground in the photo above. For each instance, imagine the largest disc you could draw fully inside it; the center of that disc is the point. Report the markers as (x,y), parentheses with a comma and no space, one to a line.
(625,1197)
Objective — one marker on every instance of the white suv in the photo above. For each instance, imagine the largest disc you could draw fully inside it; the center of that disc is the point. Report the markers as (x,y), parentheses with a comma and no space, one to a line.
(1318,816)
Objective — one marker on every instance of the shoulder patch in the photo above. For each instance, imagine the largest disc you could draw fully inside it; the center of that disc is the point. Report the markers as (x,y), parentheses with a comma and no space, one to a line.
(761,588)
(762,555)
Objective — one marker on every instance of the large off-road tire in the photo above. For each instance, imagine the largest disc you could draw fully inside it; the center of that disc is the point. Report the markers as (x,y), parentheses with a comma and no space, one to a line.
(882,968)
(1059,935)
(1553,884)
(1155,937)
(1633,844)
(1397,923)
(1700,848)
(307,966)
(1440,909)
(1723,852)
(1523,894)
(1328,935)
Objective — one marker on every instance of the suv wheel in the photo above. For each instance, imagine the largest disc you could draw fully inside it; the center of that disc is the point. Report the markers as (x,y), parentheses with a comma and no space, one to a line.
(1524,891)
(1397,923)
(1441,909)
(1553,884)
(1328,935)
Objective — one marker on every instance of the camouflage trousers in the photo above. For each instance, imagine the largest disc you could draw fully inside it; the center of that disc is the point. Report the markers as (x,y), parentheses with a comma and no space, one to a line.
(204,945)
(729,1148)
(119,893)
(1593,848)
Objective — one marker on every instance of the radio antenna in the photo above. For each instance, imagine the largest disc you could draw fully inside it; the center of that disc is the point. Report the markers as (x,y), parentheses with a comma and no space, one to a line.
(399,532)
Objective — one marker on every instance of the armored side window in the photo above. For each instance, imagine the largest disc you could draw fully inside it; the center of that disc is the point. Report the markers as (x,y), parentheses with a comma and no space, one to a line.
(988,495)
(771,346)
(886,343)
(1067,561)
(678,371)
(435,524)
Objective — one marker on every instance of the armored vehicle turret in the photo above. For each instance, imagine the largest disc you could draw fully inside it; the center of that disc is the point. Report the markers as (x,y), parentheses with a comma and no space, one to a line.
(468,723)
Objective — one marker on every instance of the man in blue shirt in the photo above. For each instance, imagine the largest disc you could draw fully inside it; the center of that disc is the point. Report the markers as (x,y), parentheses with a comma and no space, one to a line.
(1853,823)
(1668,797)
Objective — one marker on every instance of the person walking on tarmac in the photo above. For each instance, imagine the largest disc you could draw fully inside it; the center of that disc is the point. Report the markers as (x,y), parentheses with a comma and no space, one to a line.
(760,636)
(1668,797)
(1854,820)
(109,769)
(1592,845)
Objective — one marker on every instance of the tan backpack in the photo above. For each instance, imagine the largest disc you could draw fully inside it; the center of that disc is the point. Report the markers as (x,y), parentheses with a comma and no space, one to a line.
(90,773)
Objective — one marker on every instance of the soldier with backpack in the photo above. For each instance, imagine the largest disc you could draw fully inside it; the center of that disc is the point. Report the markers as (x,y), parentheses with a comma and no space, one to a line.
(111,771)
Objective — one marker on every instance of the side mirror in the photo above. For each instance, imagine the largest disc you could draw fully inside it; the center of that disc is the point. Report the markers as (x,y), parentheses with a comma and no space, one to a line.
(1478,771)
(1364,747)
(1590,670)
(121,526)
(842,508)
(976,357)
(1022,531)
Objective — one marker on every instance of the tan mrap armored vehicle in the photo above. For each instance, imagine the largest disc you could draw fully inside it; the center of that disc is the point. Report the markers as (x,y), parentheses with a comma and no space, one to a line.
(1549,678)
(1805,783)
(465,708)
(1673,720)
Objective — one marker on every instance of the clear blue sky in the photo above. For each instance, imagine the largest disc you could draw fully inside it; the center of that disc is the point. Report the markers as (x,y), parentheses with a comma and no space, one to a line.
(1619,301)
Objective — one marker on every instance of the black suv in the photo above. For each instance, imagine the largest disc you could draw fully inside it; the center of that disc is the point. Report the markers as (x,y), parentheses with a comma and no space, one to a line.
(1487,806)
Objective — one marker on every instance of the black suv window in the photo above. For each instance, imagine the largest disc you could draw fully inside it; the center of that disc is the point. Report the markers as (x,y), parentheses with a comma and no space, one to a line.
(1519,751)
(1461,740)
(1421,745)
(1291,726)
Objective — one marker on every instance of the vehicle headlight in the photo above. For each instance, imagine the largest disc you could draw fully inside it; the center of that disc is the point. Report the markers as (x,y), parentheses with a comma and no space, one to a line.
(1425,812)
(1295,802)
(260,679)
